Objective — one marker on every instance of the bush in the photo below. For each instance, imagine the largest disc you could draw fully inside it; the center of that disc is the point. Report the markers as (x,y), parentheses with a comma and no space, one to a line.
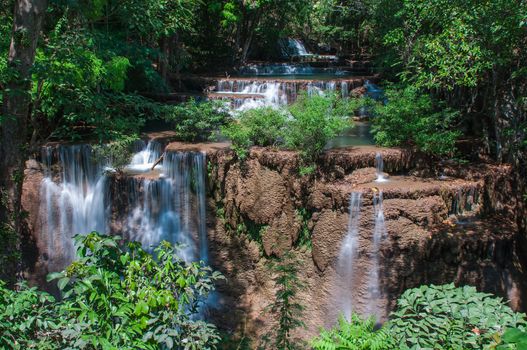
(358,334)
(513,338)
(118,153)
(197,121)
(314,121)
(263,126)
(434,317)
(413,118)
(446,317)
(113,298)
(28,319)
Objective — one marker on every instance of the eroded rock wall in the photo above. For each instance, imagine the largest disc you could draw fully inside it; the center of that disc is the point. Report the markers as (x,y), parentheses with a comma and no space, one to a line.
(458,229)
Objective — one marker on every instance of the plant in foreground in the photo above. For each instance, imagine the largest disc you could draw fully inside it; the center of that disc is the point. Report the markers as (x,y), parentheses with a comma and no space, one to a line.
(285,306)
(113,297)
(446,317)
(357,334)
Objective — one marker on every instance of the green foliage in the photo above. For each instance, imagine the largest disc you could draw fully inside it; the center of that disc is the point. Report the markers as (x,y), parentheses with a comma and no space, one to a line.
(304,238)
(306,126)
(456,43)
(113,297)
(434,317)
(314,121)
(116,70)
(117,153)
(9,254)
(286,306)
(412,117)
(357,334)
(344,24)
(197,121)
(263,126)
(446,317)
(126,299)
(513,338)
(28,319)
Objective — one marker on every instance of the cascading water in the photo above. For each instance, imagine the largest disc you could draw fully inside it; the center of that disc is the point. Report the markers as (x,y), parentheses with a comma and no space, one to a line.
(379,233)
(319,87)
(78,203)
(344,89)
(249,94)
(172,207)
(346,260)
(277,69)
(266,93)
(144,160)
(379,168)
(292,47)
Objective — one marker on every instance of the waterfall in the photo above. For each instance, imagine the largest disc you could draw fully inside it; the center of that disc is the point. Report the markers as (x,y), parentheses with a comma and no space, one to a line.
(347,256)
(292,47)
(344,89)
(172,207)
(379,168)
(143,160)
(269,93)
(379,233)
(277,69)
(78,203)
(248,94)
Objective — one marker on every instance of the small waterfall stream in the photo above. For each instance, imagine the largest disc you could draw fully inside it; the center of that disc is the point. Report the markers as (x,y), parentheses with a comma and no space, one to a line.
(77,204)
(348,267)
(346,260)
(379,233)
(379,167)
(172,207)
(146,156)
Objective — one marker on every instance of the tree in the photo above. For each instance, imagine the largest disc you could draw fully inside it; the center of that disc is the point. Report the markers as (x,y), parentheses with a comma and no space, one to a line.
(27,23)
(470,54)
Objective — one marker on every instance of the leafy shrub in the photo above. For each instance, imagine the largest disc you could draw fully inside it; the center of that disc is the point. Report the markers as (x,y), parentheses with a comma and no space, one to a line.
(197,121)
(28,319)
(263,126)
(128,299)
(113,297)
(412,117)
(358,334)
(446,317)
(434,317)
(117,153)
(513,338)
(314,121)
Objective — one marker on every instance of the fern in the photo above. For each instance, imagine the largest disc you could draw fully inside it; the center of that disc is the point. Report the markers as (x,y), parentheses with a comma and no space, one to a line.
(358,334)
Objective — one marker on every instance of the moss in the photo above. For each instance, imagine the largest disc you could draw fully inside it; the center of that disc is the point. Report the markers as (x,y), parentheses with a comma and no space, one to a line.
(304,238)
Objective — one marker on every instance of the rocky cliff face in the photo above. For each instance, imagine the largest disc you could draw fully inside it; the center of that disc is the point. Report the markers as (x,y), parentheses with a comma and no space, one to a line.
(458,227)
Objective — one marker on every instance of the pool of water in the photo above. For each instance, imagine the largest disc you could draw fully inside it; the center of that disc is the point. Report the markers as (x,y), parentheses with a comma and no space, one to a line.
(358,135)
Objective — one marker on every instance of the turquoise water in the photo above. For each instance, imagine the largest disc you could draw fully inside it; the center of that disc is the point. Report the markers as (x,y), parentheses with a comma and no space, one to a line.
(358,135)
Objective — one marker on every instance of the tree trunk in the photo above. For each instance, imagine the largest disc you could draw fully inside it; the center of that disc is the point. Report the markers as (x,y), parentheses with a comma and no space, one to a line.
(164,58)
(28,16)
